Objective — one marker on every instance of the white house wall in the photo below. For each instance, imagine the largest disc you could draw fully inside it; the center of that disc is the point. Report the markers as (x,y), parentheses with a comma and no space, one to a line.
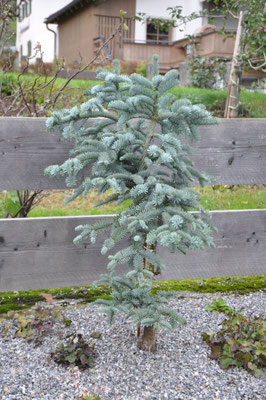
(33,29)
(158,9)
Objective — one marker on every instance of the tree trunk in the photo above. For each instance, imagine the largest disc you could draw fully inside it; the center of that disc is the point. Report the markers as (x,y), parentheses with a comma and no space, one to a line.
(148,265)
(147,341)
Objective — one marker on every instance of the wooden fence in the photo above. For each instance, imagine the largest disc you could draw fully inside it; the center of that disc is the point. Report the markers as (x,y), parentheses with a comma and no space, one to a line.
(39,252)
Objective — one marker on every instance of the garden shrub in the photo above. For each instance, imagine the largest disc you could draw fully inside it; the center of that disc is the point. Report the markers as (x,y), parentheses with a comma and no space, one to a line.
(9,83)
(34,325)
(241,341)
(207,72)
(141,68)
(77,352)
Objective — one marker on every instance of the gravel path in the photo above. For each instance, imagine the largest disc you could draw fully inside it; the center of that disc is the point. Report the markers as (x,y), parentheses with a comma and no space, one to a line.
(179,370)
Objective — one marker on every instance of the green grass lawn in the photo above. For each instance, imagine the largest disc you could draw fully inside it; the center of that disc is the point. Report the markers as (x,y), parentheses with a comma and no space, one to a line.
(241,197)
(212,198)
(40,89)
(62,212)
(10,81)
(252,104)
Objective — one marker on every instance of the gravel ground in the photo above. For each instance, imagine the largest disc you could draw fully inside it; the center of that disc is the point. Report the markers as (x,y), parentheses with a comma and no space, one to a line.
(180,369)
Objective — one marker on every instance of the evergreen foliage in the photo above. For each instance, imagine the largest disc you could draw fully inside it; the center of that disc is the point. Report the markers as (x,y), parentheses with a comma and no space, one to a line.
(148,166)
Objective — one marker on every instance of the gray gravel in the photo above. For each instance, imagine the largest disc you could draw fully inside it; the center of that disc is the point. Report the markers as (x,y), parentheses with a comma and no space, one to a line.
(180,369)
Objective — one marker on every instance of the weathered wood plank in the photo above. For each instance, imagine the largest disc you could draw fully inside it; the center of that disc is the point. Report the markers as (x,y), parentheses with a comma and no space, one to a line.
(233,151)
(26,149)
(39,252)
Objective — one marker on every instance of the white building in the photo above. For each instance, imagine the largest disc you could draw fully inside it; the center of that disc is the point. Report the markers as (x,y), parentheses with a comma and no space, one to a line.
(31,29)
(158,9)
(81,21)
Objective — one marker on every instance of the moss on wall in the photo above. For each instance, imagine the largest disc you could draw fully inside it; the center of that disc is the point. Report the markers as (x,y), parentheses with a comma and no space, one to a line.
(237,284)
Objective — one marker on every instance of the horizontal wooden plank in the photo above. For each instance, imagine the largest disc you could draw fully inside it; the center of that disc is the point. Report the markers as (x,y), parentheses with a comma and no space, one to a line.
(39,252)
(233,151)
(26,150)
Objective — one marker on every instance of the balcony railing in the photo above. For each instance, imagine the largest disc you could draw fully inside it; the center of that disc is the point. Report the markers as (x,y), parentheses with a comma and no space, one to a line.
(106,26)
(126,47)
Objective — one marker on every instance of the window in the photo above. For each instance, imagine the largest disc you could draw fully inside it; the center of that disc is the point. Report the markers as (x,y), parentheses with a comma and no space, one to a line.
(29,7)
(22,58)
(29,48)
(157,33)
(24,10)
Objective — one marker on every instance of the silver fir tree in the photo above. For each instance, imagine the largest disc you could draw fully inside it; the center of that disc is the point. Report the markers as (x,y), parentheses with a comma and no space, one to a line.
(134,149)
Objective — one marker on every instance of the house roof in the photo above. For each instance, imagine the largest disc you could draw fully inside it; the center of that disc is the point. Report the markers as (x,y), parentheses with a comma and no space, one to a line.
(69,9)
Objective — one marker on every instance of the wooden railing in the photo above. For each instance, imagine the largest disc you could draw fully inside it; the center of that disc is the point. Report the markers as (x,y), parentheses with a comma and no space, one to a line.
(106,26)
(143,51)
(39,252)
(210,45)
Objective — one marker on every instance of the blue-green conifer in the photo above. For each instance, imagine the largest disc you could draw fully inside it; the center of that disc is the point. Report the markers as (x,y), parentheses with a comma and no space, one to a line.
(134,147)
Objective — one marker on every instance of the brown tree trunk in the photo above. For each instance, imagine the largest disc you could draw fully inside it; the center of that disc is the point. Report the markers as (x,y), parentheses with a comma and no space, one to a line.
(147,342)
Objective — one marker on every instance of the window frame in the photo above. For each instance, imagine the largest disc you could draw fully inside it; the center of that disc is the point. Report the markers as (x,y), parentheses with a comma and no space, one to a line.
(29,48)
(158,34)
(25,10)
